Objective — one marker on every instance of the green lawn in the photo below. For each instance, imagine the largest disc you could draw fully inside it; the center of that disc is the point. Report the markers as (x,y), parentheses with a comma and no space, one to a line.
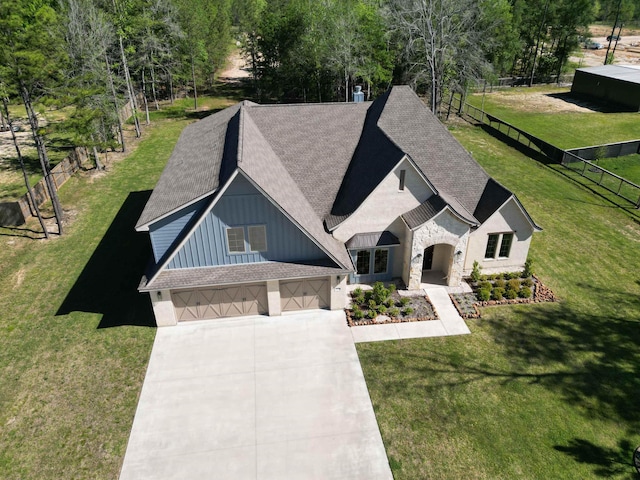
(562,129)
(74,335)
(542,391)
(627,167)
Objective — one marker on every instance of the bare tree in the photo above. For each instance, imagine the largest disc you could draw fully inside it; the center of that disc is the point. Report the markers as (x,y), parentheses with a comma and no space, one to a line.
(443,43)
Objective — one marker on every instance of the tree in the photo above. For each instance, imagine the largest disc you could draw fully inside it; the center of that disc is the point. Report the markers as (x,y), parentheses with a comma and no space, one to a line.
(442,42)
(31,62)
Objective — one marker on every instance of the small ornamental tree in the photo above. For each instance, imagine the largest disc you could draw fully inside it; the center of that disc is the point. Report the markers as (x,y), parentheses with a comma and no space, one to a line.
(475,272)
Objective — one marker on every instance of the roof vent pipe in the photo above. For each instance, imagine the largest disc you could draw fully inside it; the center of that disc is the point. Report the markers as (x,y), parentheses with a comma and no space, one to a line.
(358,95)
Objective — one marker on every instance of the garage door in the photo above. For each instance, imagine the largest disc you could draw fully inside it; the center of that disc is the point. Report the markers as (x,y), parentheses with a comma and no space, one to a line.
(206,303)
(304,294)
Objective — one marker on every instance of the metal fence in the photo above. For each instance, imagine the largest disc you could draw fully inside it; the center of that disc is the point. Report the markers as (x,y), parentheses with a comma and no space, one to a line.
(578,160)
(616,184)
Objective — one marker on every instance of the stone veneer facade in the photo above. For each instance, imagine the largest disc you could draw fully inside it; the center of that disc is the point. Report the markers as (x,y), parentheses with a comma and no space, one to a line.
(442,229)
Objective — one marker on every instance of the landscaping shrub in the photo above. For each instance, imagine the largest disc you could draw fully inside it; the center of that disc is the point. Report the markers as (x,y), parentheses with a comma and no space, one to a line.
(528,268)
(357,312)
(499,283)
(475,272)
(356,292)
(407,311)
(485,286)
(390,302)
(527,282)
(391,288)
(368,295)
(404,301)
(512,275)
(484,294)
(511,294)
(359,299)
(382,308)
(394,312)
(513,285)
(380,293)
(497,293)
(372,304)
(371,314)
(524,292)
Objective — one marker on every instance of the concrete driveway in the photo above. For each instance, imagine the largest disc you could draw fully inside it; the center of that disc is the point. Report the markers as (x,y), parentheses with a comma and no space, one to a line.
(256,398)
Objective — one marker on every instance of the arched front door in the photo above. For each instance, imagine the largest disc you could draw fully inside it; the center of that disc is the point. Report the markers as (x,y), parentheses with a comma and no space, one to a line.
(427,258)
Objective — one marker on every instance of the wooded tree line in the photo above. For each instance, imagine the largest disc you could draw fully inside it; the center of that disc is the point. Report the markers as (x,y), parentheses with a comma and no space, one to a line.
(92,57)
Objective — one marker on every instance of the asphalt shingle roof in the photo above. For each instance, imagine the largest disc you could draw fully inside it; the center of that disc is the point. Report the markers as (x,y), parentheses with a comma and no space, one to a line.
(234,274)
(318,162)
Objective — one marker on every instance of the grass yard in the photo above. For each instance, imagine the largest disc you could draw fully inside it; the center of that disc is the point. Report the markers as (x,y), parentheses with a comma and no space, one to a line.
(627,167)
(537,391)
(550,114)
(74,335)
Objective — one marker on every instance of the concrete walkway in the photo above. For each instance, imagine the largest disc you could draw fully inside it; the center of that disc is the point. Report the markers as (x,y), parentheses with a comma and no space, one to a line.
(256,398)
(449,322)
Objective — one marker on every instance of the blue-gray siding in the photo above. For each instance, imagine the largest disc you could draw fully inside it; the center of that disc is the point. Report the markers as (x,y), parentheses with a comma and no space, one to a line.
(164,232)
(243,205)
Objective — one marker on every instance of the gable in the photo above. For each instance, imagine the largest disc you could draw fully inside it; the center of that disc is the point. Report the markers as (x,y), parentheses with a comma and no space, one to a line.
(387,202)
(242,205)
(510,217)
(166,232)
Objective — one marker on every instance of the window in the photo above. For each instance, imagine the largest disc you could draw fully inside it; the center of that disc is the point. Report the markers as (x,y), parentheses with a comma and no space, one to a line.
(380,261)
(505,246)
(503,240)
(492,245)
(363,258)
(403,174)
(235,239)
(257,238)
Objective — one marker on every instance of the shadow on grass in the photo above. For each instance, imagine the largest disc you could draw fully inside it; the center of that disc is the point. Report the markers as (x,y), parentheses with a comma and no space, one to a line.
(607,462)
(589,102)
(515,144)
(592,358)
(109,281)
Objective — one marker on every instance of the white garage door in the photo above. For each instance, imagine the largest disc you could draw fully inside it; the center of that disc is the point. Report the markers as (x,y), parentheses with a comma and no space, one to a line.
(304,294)
(209,303)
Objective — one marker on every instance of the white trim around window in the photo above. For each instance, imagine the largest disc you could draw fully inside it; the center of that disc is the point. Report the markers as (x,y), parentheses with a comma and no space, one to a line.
(257,238)
(235,240)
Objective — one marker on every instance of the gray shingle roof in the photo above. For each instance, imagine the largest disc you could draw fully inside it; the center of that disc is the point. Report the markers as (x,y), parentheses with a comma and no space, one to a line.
(193,168)
(318,162)
(234,274)
(372,239)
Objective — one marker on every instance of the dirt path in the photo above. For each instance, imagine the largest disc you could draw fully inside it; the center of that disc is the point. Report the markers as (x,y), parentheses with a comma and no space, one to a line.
(237,69)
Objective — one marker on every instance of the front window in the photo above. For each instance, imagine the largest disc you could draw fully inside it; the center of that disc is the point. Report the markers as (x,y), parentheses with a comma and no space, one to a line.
(492,245)
(505,246)
(363,258)
(380,261)
(258,238)
(235,239)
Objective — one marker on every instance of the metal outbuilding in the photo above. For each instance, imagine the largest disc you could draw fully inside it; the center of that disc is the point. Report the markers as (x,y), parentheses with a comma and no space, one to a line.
(617,84)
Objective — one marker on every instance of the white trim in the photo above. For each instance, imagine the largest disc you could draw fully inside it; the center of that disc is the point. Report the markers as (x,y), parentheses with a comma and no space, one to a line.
(264,229)
(145,226)
(226,234)
(194,227)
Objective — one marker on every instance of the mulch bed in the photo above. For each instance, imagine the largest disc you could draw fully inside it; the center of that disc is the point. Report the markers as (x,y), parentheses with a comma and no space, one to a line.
(422,311)
(467,304)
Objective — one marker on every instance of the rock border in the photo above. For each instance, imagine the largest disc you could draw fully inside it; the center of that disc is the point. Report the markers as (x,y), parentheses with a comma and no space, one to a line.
(541,294)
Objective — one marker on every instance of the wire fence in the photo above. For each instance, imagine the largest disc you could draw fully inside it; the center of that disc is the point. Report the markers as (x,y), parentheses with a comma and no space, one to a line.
(577,160)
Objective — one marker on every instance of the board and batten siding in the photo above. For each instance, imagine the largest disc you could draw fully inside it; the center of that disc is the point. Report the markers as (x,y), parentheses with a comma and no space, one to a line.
(164,232)
(243,205)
